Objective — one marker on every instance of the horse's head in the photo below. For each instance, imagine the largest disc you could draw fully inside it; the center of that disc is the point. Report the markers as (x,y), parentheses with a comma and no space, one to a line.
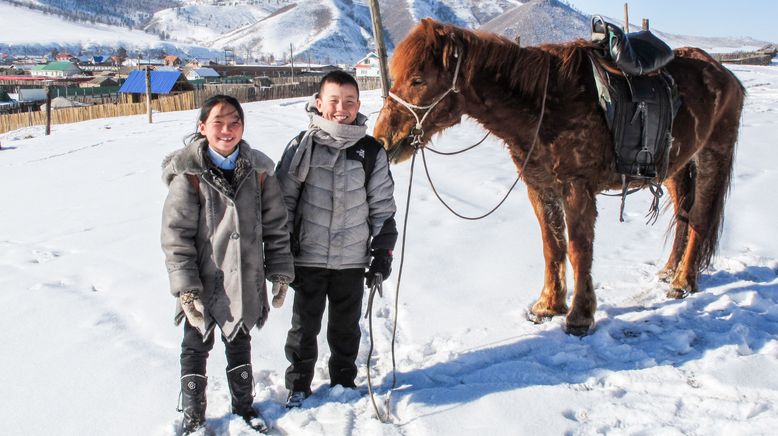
(423,68)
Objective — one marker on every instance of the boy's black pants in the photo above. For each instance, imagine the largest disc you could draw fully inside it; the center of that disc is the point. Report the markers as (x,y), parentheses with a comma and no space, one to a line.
(313,287)
(194,352)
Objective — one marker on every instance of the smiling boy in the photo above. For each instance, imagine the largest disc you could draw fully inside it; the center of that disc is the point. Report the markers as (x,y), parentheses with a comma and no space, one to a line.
(338,192)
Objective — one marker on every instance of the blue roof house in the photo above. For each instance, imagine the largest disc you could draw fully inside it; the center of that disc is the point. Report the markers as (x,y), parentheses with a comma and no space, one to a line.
(162,82)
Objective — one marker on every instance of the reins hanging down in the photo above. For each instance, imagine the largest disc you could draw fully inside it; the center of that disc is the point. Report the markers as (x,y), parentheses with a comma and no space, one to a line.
(386,418)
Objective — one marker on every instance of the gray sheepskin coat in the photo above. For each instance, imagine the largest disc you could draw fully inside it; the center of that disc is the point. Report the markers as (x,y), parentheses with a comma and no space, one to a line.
(225,240)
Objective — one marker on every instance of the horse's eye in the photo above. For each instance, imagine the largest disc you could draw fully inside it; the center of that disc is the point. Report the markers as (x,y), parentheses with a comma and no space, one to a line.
(417,81)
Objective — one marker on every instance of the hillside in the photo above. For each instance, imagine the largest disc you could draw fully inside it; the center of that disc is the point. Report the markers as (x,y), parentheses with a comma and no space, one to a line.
(325,31)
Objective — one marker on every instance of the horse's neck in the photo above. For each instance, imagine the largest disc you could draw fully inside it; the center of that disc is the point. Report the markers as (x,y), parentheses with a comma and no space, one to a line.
(508,105)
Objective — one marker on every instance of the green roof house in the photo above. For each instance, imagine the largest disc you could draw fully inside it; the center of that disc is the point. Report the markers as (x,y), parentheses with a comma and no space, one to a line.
(56,69)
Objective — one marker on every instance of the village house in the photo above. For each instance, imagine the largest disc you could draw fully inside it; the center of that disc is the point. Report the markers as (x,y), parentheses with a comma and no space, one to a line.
(100,82)
(368,66)
(202,73)
(64,57)
(56,69)
(172,61)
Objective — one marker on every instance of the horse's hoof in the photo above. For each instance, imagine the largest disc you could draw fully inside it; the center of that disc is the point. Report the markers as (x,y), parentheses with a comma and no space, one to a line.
(540,314)
(677,294)
(538,319)
(665,275)
(579,331)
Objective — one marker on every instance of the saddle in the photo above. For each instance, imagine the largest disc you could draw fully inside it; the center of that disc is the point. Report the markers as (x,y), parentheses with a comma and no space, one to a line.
(640,100)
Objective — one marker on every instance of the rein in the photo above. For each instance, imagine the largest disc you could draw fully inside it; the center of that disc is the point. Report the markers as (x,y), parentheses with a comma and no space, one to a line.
(418,132)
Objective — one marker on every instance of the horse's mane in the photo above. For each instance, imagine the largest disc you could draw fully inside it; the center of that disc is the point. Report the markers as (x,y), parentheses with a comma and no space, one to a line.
(520,68)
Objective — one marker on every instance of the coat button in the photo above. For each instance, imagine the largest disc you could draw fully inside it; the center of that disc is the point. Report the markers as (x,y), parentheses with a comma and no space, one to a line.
(235,235)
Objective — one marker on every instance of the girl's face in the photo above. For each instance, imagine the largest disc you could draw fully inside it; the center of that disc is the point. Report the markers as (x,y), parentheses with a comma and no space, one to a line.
(223,128)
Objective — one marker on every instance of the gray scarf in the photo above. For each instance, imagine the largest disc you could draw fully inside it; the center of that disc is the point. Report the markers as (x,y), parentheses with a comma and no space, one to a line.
(334,136)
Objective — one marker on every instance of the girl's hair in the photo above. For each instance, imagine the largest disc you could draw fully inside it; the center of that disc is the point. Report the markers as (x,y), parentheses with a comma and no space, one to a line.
(205,110)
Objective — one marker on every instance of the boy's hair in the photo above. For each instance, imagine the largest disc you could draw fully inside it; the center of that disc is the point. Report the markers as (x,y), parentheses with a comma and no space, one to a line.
(339,77)
(205,110)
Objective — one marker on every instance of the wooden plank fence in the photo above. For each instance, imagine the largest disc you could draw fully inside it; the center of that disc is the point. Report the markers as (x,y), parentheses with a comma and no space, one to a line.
(302,87)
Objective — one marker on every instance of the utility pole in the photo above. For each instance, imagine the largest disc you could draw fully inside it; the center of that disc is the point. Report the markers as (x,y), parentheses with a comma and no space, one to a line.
(378,36)
(148,92)
(626,17)
(291,59)
(48,107)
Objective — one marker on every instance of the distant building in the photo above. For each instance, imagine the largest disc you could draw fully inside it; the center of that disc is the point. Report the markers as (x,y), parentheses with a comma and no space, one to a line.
(368,66)
(64,57)
(100,81)
(162,82)
(32,95)
(172,61)
(56,69)
(202,73)
(135,62)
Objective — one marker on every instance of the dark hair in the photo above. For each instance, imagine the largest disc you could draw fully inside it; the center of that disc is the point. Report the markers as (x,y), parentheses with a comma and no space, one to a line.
(205,111)
(339,77)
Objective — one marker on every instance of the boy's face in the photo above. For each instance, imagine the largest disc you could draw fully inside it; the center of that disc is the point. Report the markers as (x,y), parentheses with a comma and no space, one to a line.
(339,103)
(223,128)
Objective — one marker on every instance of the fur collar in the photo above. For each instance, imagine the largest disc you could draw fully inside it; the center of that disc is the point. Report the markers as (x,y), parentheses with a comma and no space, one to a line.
(193,159)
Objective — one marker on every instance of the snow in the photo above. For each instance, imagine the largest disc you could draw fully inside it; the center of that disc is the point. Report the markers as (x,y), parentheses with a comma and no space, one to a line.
(89,346)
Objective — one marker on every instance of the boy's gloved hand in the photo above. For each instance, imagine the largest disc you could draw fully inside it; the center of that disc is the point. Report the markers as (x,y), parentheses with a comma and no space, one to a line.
(193,309)
(381,264)
(280,287)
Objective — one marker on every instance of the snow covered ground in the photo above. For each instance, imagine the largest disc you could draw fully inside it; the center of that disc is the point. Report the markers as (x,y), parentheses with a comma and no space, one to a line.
(89,346)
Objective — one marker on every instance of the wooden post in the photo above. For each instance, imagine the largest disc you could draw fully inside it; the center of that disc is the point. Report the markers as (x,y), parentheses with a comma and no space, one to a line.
(378,35)
(645,24)
(148,93)
(291,59)
(48,109)
(626,17)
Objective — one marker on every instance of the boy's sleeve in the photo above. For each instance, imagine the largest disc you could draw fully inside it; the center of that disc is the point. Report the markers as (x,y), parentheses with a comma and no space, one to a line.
(290,187)
(380,200)
(275,237)
(180,217)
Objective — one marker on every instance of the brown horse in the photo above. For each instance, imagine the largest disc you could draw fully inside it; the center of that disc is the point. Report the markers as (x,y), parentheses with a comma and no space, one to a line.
(503,87)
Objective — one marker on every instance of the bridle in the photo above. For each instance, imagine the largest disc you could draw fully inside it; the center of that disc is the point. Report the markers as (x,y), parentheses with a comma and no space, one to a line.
(417,132)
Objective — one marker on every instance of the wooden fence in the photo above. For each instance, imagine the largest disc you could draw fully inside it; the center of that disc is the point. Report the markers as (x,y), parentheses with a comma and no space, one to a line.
(304,86)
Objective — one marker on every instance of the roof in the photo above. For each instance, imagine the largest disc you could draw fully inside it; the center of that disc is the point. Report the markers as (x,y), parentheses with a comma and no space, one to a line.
(161,82)
(205,72)
(55,66)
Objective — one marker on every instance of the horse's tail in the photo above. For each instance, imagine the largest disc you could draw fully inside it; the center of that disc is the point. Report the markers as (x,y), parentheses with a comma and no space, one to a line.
(726,133)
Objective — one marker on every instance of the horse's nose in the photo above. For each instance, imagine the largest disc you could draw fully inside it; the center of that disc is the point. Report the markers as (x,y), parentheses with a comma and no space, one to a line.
(383,142)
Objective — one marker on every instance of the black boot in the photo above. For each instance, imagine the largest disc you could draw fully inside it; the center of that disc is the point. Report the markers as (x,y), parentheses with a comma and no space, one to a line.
(241,382)
(193,402)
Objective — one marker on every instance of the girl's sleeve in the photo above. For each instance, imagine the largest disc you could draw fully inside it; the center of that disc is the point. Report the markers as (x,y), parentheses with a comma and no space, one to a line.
(275,236)
(180,219)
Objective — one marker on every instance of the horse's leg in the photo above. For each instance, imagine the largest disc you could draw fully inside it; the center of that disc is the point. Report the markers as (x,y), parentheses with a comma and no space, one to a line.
(580,214)
(548,209)
(681,189)
(714,171)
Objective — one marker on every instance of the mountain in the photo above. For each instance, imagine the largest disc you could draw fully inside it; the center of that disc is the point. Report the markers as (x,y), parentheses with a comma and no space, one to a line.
(541,21)
(325,31)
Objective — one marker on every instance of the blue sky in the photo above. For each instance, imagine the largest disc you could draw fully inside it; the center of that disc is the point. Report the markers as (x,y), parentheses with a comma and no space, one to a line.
(755,18)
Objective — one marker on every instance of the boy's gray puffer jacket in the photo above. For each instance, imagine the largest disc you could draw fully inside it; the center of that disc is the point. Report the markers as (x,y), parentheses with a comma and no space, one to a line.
(338,216)
(225,240)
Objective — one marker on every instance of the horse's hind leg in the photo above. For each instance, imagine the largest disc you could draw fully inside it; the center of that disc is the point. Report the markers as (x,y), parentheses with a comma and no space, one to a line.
(714,170)
(548,209)
(580,215)
(681,189)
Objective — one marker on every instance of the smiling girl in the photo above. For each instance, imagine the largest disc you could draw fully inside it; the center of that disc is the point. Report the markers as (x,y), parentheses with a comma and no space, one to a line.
(223,233)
